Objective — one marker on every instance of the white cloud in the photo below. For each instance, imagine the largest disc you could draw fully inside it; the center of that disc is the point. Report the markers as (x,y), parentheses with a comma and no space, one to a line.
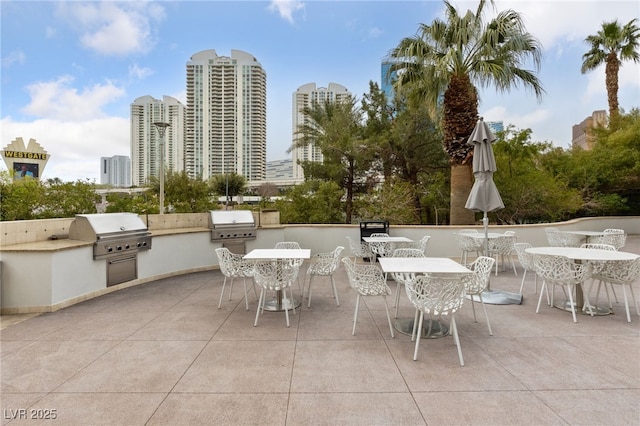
(114,28)
(15,57)
(58,100)
(138,73)
(286,8)
(75,148)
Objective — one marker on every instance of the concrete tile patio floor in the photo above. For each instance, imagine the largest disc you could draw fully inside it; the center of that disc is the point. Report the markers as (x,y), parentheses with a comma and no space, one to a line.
(163,354)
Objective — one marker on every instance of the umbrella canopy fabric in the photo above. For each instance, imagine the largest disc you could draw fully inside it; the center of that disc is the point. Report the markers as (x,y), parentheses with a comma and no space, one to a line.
(484,195)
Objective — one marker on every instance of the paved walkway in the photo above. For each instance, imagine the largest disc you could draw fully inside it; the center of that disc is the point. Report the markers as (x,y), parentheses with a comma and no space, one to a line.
(163,354)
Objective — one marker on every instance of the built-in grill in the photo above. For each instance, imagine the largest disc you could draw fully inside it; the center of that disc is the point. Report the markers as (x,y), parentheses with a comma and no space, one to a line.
(233,228)
(117,237)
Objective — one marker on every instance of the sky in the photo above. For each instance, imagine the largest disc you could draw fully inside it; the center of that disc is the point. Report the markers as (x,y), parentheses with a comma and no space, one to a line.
(70,70)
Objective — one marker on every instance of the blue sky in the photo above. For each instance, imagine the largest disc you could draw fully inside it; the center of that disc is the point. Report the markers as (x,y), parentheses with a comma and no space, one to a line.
(70,70)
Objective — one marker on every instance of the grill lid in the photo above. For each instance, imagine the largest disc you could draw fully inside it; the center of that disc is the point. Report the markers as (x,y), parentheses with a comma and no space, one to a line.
(92,227)
(231,218)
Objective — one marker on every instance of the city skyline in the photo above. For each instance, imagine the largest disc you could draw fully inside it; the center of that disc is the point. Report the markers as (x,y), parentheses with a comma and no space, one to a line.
(71,70)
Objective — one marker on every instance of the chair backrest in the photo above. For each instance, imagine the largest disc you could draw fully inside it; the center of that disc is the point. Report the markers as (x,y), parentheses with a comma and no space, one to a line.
(504,244)
(509,233)
(598,246)
(408,252)
(615,237)
(437,295)
(470,244)
(467,231)
(366,279)
(402,277)
(620,271)
(232,264)
(326,263)
(560,270)
(358,248)
(423,243)
(289,245)
(557,238)
(275,274)
(478,281)
(525,259)
(379,234)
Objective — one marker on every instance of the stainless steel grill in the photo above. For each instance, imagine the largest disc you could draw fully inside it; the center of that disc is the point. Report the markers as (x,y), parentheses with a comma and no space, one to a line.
(112,233)
(117,237)
(233,228)
(232,225)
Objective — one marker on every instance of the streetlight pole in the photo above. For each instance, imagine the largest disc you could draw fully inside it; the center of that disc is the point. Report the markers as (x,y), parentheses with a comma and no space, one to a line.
(161,127)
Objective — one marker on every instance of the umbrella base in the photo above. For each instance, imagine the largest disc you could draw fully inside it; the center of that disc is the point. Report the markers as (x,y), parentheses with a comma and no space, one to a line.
(499,297)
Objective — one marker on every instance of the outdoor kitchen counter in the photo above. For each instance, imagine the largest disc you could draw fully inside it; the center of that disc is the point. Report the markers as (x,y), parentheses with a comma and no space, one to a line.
(44,246)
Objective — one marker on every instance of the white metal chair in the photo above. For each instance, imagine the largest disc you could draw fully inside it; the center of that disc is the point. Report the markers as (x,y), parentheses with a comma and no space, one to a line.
(615,237)
(469,245)
(622,273)
(232,266)
(292,245)
(360,249)
(596,266)
(557,238)
(382,248)
(477,282)
(421,244)
(438,296)
(503,247)
(562,271)
(324,264)
(274,275)
(367,280)
(526,261)
(402,277)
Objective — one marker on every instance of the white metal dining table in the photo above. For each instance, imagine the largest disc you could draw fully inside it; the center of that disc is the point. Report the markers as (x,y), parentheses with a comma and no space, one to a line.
(279,302)
(580,254)
(422,265)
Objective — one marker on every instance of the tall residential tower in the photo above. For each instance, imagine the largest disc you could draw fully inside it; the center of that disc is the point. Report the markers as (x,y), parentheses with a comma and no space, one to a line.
(306,96)
(226,115)
(145,142)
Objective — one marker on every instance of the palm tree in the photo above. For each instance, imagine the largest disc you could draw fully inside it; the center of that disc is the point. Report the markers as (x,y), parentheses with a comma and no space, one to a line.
(443,63)
(612,45)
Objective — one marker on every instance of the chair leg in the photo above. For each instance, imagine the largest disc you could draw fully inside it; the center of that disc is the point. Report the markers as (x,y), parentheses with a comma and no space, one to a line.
(457,339)
(309,292)
(415,352)
(355,315)
(397,300)
(260,306)
(286,310)
(246,297)
(415,325)
(231,288)
(386,308)
(224,283)
(473,308)
(484,308)
(573,307)
(633,297)
(544,286)
(335,291)
(524,275)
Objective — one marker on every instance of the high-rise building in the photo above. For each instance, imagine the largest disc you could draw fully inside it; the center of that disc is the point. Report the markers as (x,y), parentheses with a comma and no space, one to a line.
(306,96)
(145,140)
(115,171)
(495,126)
(582,134)
(226,115)
(387,77)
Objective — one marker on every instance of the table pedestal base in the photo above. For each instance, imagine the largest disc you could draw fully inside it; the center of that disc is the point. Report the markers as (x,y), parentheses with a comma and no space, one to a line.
(499,297)
(597,310)
(278,304)
(431,329)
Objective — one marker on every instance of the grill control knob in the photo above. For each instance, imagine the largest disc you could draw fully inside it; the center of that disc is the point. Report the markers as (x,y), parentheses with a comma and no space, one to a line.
(109,249)
(118,248)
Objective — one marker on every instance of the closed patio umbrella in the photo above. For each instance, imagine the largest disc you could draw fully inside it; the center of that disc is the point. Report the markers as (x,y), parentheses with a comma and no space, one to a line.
(484,196)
